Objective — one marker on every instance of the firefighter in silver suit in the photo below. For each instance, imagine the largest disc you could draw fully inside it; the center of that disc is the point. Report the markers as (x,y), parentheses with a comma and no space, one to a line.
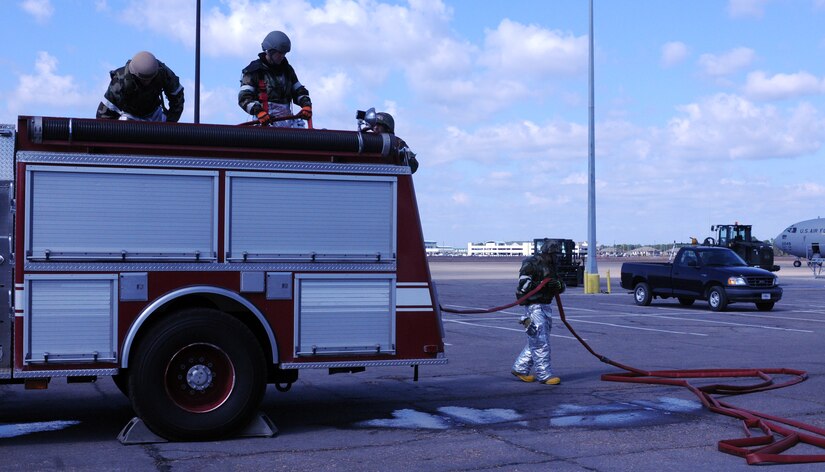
(536,318)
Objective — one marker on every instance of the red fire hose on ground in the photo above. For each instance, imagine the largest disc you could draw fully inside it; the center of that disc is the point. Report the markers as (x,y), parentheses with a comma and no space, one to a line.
(777,434)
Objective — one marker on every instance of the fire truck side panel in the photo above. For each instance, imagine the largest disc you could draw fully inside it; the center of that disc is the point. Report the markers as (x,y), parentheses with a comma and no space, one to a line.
(6,263)
(99,214)
(413,269)
(411,252)
(19,292)
(323,261)
(341,314)
(282,216)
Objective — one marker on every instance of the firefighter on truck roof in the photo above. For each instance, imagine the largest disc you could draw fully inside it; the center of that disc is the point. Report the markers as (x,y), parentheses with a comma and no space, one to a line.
(135,89)
(269,85)
(384,123)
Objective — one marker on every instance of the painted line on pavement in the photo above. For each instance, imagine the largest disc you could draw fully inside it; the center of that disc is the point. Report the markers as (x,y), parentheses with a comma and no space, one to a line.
(520,330)
(701,320)
(744,325)
(577,320)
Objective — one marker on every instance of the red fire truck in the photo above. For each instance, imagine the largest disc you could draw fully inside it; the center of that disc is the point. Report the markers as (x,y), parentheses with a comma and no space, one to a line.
(195,264)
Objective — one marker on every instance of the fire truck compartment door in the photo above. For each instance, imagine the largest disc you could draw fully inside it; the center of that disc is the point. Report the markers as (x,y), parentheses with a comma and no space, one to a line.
(70,318)
(275,216)
(339,314)
(79,213)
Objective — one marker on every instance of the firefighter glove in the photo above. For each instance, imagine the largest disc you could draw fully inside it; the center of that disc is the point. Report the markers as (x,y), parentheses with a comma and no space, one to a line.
(263,117)
(526,322)
(306,112)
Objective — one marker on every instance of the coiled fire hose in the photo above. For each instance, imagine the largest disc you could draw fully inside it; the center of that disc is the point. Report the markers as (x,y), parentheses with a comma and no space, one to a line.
(777,434)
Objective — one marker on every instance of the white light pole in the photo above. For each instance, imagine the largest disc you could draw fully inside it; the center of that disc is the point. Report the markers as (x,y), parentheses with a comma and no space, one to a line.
(592,272)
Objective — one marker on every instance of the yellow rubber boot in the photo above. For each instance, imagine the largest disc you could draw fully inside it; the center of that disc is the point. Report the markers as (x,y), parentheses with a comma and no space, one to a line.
(552,381)
(524,377)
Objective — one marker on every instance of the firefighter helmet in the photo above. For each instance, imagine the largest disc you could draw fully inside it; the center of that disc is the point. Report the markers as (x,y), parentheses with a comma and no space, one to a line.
(385,119)
(144,65)
(549,246)
(278,41)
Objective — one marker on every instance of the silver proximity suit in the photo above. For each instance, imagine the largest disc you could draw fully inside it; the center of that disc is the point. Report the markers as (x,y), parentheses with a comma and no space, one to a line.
(536,354)
(534,269)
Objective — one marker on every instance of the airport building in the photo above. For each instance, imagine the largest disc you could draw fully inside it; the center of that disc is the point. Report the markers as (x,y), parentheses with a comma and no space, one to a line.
(433,249)
(500,248)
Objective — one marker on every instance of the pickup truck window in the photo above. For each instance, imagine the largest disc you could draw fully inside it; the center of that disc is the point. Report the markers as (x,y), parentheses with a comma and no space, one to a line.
(721,258)
(688,258)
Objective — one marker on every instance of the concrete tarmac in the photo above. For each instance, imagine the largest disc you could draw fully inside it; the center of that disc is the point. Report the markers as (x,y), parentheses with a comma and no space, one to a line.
(471,414)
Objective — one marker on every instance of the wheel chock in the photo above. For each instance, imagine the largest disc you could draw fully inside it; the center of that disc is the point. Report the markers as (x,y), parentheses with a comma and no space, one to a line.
(260,427)
(136,431)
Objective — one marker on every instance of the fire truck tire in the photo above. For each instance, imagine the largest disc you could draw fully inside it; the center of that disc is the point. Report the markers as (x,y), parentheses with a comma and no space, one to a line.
(121,381)
(199,374)
(641,294)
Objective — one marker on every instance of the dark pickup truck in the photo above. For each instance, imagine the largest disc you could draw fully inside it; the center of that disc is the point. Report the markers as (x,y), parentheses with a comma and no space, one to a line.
(715,274)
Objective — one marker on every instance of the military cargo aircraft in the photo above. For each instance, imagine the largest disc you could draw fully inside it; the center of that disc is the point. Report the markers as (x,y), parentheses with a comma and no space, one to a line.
(805,239)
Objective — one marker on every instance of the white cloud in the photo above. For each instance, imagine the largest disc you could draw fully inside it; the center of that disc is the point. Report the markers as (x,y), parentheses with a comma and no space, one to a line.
(732,182)
(460,198)
(806,190)
(545,145)
(41,10)
(172,19)
(217,105)
(61,95)
(729,126)
(376,42)
(579,178)
(727,63)
(673,53)
(332,91)
(365,32)
(534,50)
(782,86)
(747,8)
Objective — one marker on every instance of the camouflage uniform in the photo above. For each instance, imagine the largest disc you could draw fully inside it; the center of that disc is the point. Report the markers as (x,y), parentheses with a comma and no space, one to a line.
(128,98)
(282,87)
(409,156)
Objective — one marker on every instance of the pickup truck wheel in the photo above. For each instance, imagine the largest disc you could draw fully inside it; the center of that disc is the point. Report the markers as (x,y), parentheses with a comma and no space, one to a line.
(686,301)
(199,374)
(642,294)
(765,306)
(717,299)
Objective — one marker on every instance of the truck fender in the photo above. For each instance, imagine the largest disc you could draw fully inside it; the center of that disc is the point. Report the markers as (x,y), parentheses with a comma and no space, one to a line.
(134,329)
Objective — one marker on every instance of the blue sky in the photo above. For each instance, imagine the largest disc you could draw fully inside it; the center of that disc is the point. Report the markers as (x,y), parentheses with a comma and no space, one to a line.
(707,111)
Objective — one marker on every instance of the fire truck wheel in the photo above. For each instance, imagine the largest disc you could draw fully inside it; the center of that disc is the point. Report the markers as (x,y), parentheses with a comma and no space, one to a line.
(122,382)
(199,374)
